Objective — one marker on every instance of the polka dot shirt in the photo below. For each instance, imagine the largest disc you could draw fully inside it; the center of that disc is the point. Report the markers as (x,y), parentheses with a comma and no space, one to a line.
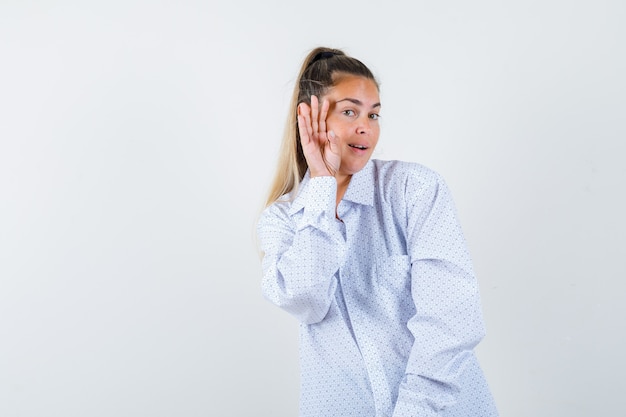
(383,287)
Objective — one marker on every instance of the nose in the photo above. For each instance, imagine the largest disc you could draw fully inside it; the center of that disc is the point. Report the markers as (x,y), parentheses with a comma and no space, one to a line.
(363,125)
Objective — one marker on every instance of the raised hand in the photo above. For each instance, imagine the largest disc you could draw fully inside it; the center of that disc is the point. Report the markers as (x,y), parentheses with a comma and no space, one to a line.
(320,148)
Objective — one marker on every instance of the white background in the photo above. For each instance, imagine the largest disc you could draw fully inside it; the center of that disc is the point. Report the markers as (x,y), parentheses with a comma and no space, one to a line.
(137,141)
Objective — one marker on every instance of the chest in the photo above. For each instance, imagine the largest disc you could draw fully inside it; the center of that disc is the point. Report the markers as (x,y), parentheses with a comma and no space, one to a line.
(377,269)
(374,231)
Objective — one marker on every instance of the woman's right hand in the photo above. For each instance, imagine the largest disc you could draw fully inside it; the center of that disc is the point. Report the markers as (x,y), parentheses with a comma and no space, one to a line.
(320,148)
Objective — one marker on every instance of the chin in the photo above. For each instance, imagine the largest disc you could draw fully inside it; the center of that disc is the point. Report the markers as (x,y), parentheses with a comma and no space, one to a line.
(354,168)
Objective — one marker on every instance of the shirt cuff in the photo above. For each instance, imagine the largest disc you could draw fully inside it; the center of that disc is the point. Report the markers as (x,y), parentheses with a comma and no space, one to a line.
(320,202)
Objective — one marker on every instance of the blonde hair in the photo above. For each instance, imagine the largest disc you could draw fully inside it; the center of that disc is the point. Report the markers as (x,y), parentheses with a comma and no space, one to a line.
(317,75)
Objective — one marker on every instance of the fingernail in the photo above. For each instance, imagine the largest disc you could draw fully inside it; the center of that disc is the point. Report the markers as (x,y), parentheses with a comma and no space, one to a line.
(331,134)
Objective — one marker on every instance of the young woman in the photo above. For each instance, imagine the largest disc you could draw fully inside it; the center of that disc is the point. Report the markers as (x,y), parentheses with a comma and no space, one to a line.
(369,256)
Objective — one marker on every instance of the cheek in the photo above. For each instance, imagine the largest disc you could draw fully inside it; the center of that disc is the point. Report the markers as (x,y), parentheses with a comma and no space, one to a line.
(339,129)
(332,123)
(375,134)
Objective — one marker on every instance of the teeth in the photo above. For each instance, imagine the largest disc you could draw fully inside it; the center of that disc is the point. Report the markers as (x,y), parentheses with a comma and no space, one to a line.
(358,146)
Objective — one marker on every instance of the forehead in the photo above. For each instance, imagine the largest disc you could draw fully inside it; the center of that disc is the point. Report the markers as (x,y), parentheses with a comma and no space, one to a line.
(353,86)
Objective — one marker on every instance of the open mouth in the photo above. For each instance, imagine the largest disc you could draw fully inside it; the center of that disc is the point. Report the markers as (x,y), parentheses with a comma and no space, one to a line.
(361,147)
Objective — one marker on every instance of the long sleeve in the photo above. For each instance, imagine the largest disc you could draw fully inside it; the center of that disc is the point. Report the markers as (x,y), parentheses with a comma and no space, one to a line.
(448,322)
(303,247)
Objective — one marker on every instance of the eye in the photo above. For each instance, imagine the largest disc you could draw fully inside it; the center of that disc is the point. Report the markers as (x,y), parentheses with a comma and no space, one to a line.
(374,116)
(348,112)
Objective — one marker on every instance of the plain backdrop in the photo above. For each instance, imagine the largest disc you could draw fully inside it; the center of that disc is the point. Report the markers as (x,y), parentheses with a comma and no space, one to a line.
(138,139)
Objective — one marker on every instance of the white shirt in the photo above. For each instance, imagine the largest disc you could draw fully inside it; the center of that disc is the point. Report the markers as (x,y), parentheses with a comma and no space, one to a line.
(387,299)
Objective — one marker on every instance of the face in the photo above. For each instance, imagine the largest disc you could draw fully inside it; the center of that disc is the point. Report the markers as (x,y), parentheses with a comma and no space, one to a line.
(353,117)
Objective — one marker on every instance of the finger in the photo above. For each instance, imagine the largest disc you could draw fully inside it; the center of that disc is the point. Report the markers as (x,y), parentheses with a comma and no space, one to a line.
(331,141)
(304,109)
(304,121)
(304,134)
(314,114)
(322,118)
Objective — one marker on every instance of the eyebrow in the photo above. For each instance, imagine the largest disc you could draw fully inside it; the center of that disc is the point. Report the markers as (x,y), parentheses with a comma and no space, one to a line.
(357,102)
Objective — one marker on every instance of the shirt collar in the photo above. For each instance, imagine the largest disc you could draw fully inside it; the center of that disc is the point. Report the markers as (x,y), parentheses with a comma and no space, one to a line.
(361,187)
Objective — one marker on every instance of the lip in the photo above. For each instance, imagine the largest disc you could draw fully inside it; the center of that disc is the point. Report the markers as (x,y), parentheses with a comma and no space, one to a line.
(359,152)
(358,146)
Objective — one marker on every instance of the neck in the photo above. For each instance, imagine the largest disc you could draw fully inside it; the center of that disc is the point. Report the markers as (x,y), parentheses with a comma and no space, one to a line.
(342,185)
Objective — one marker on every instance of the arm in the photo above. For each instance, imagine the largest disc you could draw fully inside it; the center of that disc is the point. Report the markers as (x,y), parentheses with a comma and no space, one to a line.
(304,249)
(448,321)
(302,252)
